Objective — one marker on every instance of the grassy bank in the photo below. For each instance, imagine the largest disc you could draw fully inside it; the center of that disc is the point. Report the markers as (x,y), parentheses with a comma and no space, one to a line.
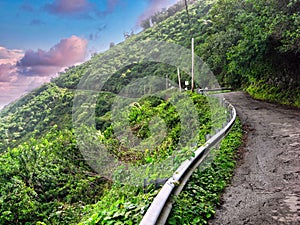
(266,92)
(196,204)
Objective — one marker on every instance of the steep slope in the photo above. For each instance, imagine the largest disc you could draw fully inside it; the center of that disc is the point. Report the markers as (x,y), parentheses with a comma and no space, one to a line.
(51,104)
(263,60)
(44,177)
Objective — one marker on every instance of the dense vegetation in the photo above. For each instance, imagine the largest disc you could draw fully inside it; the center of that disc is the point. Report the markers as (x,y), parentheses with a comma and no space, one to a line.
(47,180)
(196,204)
(250,44)
(255,45)
(128,205)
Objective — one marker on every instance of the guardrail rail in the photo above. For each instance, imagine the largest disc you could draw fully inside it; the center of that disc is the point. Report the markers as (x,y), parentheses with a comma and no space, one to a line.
(159,210)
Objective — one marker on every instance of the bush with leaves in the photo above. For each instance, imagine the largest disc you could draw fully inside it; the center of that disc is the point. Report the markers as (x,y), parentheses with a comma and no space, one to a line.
(197,202)
(47,180)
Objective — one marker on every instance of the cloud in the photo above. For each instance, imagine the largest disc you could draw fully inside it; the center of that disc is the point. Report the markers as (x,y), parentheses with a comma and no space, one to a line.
(22,72)
(7,72)
(82,9)
(10,91)
(68,7)
(68,51)
(10,56)
(8,60)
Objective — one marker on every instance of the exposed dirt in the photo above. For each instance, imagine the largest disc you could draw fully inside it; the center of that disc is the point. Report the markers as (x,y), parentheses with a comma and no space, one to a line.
(265,189)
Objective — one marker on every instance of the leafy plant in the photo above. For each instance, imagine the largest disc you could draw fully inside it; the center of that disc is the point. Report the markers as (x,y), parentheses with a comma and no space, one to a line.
(197,202)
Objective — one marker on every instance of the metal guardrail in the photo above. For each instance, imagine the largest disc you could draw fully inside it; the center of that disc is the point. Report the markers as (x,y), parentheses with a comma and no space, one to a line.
(159,210)
(215,89)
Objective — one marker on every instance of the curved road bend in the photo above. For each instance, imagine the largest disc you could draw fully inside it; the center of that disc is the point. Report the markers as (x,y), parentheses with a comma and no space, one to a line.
(265,189)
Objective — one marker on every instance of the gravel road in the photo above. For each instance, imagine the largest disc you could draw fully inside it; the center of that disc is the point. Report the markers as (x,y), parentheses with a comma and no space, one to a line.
(265,189)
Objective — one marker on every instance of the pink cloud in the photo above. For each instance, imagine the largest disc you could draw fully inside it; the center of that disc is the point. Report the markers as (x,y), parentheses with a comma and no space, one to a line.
(10,55)
(21,73)
(8,60)
(7,72)
(80,8)
(68,7)
(8,76)
(68,51)
(11,91)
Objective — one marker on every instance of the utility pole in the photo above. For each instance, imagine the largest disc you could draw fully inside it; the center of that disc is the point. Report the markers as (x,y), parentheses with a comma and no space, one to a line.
(179,81)
(191,34)
(192,84)
(166,81)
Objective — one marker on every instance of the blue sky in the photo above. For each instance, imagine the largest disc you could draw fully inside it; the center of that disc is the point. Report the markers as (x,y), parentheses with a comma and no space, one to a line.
(40,38)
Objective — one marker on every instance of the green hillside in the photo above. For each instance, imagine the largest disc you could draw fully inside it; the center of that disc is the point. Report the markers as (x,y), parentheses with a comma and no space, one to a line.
(263,61)
(45,177)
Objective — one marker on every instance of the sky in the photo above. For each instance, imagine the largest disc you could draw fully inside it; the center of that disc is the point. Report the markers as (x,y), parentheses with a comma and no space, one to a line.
(38,38)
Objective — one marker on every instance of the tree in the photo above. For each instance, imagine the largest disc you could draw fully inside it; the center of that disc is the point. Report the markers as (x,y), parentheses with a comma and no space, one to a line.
(111,44)
(145,24)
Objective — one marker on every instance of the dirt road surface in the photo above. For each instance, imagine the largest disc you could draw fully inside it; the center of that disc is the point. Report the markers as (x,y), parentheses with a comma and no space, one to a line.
(265,189)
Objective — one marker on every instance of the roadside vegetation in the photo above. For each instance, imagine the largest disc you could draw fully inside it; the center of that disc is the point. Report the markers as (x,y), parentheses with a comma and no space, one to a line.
(197,203)
(48,181)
